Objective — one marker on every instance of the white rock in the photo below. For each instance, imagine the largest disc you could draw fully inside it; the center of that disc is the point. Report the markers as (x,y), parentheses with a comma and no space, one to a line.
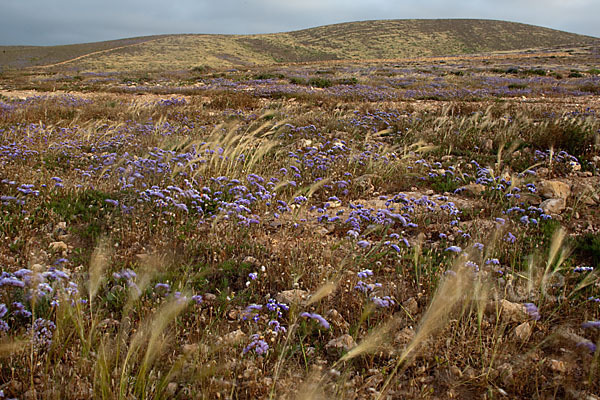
(523,331)
(553,206)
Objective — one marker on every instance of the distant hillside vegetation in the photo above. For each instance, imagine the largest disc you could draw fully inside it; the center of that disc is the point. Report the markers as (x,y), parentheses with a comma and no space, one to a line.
(382,39)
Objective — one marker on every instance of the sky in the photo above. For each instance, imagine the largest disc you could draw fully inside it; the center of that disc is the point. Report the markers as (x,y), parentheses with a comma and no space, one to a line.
(53,22)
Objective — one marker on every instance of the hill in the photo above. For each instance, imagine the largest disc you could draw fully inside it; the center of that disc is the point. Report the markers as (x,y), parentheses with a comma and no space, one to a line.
(381,39)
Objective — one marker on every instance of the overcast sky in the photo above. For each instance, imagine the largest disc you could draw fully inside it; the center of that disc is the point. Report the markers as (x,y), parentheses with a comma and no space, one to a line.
(50,22)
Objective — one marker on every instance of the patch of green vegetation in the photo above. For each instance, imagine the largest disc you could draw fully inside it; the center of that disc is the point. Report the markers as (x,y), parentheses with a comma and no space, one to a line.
(201,69)
(266,75)
(587,248)
(444,183)
(80,206)
(320,82)
(537,71)
(296,80)
(347,81)
(517,86)
(229,275)
(86,211)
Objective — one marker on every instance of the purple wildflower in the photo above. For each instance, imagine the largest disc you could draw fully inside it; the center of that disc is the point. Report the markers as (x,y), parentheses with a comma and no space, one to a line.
(510,238)
(591,324)
(588,345)
(532,310)
(197,299)
(317,317)
(162,288)
(259,345)
(365,273)
(363,243)
(454,249)
(277,326)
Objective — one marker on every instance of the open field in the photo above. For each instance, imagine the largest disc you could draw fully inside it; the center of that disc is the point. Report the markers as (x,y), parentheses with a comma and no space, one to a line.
(387,39)
(408,228)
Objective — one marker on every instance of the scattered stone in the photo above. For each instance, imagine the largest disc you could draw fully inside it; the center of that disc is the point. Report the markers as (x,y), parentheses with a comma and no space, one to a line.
(454,370)
(60,229)
(506,374)
(305,142)
(542,172)
(473,189)
(531,199)
(209,298)
(108,323)
(335,319)
(411,306)
(59,246)
(190,348)
(234,337)
(344,342)
(172,389)
(292,296)
(365,185)
(276,224)
(514,312)
(523,331)
(405,336)
(323,231)
(558,366)
(554,189)
(251,260)
(553,206)
(488,145)
(470,372)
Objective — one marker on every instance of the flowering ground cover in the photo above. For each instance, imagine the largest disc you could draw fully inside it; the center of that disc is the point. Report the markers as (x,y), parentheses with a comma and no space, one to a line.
(428,230)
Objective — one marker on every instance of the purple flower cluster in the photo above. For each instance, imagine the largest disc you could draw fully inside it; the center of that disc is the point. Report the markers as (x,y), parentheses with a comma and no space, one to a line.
(317,318)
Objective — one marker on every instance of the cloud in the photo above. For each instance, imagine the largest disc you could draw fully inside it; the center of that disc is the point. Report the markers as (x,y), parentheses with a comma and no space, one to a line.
(70,21)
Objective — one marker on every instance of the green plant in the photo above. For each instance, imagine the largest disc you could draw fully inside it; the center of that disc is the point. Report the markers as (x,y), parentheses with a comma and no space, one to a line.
(320,82)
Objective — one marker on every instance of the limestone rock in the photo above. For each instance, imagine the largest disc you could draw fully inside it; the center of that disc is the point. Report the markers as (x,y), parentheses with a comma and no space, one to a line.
(411,306)
(523,331)
(59,246)
(473,189)
(234,337)
(558,366)
(60,229)
(337,320)
(506,373)
(505,309)
(344,342)
(554,189)
(251,260)
(553,206)
(292,296)
(531,199)
(404,336)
